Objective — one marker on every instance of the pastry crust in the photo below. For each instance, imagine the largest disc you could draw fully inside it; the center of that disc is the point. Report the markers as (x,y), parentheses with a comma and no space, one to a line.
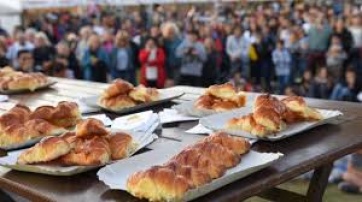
(118,87)
(143,94)
(13,80)
(47,150)
(121,145)
(91,127)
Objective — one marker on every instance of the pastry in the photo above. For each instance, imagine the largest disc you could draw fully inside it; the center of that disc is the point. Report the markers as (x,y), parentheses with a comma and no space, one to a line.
(121,145)
(143,94)
(91,127)
(117,103)
(88,152)
(118,87)
(236,144)
(47,150)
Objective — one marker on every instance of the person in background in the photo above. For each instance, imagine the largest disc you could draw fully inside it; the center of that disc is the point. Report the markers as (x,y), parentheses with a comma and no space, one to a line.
(356,31)
(348,89)
(30,35)
(318,38)
(267,66)
(3,60)
(234,49)
(66,64)
(306,82)
(211,68)
(152,58)
(122,58)
(20,44)
(282,63)
(172,40)
(193,56)
(95,62)
(255,53)
(107,41)
(25,61)
(43,52)
(343,34)
(336,56)
(240,83)
(322,85)
(84,33)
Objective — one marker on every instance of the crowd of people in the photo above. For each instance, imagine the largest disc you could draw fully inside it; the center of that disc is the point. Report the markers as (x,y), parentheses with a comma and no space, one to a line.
(293,49)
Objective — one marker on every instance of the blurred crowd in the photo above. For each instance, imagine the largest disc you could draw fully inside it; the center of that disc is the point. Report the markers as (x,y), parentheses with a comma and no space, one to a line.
(284,48)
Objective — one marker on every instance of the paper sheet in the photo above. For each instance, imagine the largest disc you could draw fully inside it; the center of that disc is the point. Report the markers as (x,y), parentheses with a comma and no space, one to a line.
(199,129)
(116,175)
(172,115)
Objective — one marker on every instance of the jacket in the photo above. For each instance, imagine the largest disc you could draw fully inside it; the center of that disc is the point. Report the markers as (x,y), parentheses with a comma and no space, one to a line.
(158,62)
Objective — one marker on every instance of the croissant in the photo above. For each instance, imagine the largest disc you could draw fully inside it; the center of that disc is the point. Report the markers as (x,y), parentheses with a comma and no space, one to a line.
(221,98)
(158,184)
(118,87)
(224,91)
(236,144)
(46,150)
(71,138)
(66,114)
(91,127)
(121,145)
(17,115)
(88,152)
(195,177)
(13,80)
(193,157)
(247,123)
(117,103)
(297,110)
(194,166)
(143,94)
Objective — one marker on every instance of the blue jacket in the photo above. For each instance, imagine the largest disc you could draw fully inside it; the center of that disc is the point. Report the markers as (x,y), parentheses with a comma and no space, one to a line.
(87,63)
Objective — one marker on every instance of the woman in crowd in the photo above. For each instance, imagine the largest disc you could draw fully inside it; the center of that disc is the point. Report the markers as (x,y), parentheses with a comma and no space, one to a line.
(66,64)
(95,62)
(84,33)
(336,56)
(211,66)
(3,60)
(282,62)
(193,56)
(152,60)
(123,58)
(322,84)
(43,53)
(348,89)
(172,40)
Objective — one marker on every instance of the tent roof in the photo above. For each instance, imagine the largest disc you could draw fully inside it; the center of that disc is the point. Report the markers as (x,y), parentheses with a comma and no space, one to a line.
(10,6)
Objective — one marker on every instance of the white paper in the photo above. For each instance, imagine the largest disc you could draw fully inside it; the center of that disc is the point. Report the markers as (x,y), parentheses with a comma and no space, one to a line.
(199,129)
(102,117)
(217,122)
(172,115)
(151,73)
(141,139)
(4,98)
(135,122)
(116,175)
(86,109)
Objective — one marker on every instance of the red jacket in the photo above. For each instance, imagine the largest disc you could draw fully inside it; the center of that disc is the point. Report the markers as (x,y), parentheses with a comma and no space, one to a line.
(159,62)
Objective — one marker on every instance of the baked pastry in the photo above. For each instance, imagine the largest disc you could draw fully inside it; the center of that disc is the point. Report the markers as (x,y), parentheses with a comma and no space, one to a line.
(13,80)
(66,114)
(46,150)
(21,133)
(143,94)
(17,115)
(118,87)
(117,103)
(236,144)
(91,127)
(158,184)
(194,166)
(88,152)
(121,145)
(221,98)
(297,110)
(247,123)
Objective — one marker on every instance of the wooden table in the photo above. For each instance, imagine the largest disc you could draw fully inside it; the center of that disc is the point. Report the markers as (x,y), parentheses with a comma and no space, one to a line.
(312,150)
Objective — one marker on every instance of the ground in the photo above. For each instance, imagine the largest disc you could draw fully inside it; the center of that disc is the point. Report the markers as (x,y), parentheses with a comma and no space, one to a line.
(332,194)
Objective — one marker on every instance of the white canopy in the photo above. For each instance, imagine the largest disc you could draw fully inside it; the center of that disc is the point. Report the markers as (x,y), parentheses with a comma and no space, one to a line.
(10,6)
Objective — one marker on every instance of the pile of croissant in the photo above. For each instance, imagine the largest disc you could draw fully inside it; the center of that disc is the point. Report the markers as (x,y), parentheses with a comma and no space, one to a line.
(91,144)
(14,80)
(122,94)
(193,167)
(271,115)
(221,98)
(20,124)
